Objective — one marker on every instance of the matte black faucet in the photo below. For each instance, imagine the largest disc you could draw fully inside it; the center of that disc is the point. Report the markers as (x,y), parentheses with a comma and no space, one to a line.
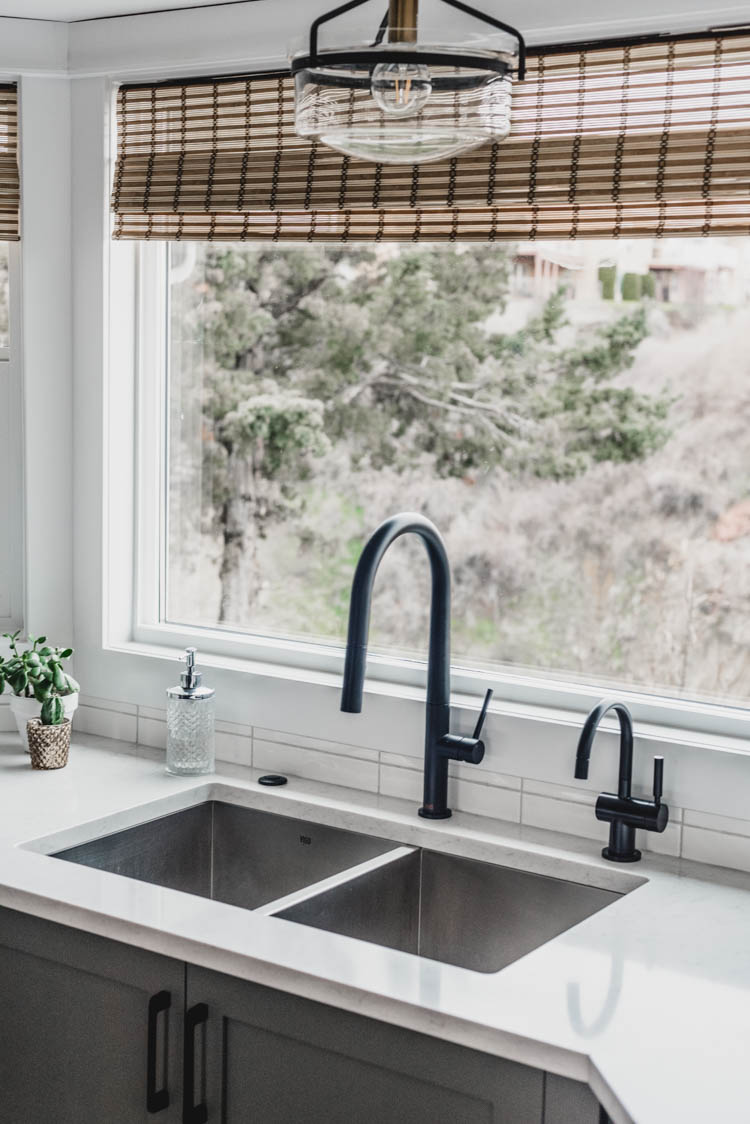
(440,746)
(623,812)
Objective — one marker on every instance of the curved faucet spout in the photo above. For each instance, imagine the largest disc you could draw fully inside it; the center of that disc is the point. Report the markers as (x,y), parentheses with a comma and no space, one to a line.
(583,753)
(623,812)
(440,746)
(438,673)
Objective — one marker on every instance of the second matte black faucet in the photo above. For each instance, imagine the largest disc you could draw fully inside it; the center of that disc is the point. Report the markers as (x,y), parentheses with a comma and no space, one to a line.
(440,745)
(623,811)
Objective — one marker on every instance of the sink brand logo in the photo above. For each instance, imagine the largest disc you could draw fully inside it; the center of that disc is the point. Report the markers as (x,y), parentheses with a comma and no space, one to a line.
(305,839)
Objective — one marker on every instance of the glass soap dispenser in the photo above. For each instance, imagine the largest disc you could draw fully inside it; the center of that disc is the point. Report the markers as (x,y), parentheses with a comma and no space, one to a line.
(190,723)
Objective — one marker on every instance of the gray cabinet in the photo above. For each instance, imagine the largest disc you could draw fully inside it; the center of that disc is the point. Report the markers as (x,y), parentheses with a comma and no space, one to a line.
(275,1058)
(570,1102)
(74,1017)
(86,1038)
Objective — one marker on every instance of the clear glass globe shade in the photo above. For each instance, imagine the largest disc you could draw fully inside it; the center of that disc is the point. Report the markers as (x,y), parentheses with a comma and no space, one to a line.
(400,89)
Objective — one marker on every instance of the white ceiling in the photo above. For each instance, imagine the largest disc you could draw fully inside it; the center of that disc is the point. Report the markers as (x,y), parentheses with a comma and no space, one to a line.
(68,10)
(666,14)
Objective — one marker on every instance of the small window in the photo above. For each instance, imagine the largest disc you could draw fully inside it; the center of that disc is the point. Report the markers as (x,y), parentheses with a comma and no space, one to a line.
(574,416)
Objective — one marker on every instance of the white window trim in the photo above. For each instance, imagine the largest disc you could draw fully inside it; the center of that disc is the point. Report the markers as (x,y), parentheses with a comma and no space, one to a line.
(140,629)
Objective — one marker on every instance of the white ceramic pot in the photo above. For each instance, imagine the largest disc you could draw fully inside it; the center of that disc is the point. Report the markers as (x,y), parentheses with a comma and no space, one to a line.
(24,709)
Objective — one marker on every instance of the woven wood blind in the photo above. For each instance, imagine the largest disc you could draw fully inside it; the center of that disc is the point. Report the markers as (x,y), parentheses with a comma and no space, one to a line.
(642,140)
(10,187)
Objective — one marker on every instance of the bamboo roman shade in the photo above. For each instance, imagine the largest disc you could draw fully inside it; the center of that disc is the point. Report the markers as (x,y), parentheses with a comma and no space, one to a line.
(10,188)
(614,141)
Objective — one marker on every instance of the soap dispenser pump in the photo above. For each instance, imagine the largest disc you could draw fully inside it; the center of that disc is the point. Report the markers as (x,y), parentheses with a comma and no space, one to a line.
(190,723)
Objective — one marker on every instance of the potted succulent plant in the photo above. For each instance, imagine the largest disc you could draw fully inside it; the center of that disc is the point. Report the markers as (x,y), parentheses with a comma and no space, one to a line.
(35,676)
(49,736)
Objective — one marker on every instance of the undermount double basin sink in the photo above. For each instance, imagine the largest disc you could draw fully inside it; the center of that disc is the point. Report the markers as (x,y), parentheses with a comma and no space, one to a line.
(472,914)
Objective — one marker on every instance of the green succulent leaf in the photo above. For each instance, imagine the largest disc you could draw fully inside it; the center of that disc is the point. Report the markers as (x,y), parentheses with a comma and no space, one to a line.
(65,654)
(19,682)
(58,678)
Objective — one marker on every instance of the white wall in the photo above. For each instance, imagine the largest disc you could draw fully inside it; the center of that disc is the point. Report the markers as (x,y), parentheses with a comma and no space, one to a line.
(261,34)
(12,608)
(33,47)
(47,341)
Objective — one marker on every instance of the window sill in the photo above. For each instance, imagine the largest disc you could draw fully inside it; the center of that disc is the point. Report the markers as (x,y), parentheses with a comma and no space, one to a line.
(521,698)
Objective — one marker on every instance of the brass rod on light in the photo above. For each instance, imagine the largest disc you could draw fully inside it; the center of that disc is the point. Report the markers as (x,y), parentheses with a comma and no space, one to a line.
(402,21)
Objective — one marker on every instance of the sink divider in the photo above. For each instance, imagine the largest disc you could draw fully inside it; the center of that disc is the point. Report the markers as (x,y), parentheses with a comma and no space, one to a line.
(335,880)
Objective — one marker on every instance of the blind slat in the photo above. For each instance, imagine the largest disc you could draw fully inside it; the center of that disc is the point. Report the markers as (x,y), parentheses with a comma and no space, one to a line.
(10,185)
(647,139)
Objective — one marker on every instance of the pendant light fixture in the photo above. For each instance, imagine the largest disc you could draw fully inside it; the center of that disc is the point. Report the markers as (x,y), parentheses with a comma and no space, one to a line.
(398,100)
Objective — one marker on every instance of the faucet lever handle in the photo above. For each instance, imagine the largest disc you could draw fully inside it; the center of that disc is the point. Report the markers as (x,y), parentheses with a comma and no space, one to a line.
(658,779)
(483,713)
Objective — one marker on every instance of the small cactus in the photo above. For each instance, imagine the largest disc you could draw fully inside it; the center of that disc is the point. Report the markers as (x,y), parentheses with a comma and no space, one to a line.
(53,713)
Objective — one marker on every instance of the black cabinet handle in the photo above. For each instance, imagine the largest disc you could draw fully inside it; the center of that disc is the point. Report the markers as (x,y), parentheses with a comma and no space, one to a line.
(156,1099)
(192,1113)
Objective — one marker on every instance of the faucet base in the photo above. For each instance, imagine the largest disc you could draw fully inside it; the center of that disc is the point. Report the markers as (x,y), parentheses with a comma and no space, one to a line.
(428,814)
(633,856)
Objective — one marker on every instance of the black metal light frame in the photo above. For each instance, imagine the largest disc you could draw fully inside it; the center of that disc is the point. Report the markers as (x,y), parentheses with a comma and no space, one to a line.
(371,56)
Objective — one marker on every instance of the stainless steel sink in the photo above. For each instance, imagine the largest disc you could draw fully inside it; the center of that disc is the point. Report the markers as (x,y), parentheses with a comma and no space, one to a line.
(472,914)
(228,853)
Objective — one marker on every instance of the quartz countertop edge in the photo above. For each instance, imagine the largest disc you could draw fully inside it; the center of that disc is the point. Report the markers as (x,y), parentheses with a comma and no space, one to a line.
(646,1001)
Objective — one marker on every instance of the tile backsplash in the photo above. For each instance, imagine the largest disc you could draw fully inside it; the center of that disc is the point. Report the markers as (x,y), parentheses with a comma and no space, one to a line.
(691,833)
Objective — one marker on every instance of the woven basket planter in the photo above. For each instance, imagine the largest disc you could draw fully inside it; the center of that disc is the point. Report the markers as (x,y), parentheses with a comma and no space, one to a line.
(48,745)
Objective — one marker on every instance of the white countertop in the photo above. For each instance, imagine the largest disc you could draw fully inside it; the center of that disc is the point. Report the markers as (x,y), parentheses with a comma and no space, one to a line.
(648,1000)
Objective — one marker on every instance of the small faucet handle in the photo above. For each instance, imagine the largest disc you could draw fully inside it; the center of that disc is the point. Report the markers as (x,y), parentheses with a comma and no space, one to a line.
(483,713)
(464,748)
(658,779)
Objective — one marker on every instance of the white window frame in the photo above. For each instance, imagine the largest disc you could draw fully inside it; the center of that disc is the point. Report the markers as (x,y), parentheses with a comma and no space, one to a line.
(545,697)
(13,486)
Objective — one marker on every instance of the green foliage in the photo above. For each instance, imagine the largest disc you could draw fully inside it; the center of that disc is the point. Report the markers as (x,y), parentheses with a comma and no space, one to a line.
(591,420)
(608,280)
(37,672)
(285,426)
(648,286)
(631,286)
(390,353)
(611,350)
(387,356)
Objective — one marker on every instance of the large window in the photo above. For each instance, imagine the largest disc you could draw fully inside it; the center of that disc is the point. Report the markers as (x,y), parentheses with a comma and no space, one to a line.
(575,417)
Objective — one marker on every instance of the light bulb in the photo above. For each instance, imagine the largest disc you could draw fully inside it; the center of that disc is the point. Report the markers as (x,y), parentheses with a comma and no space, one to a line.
(400,89)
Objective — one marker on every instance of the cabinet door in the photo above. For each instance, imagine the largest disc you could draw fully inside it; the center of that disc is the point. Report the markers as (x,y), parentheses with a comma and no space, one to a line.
(276,1058)
(570,1102)
(85,1028)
